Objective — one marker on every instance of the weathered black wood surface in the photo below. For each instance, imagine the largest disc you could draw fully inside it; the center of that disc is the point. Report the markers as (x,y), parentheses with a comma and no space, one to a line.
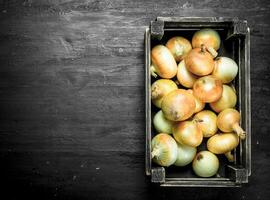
(72,98)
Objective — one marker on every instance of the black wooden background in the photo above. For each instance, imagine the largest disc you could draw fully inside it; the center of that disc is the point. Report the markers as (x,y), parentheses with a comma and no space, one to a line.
(72,98)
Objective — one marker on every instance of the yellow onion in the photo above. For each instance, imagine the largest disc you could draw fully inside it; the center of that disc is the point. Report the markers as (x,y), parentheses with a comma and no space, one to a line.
(199,104)
(207,122)
(208,37)
(161,124)
(188,133)
(227,100)
(225,69)
(223,143)
(205,164)
(163,62)
(179,47)
(185,78)
(228,121)
(164,150)
(185,155)
(208,89)
(178,105)
(161,88)
(199,61)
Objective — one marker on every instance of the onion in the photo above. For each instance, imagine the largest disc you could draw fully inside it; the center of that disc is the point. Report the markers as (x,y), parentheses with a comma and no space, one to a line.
(164,150)
(161,88)
(227,100)
(207,122)
(228,121)
(185,77)
(225,69)
(205,164)
(178,105)
(209,37)
(199,104)
(161,124)
(188,133)
(223,143)
(208,89)
(185,155)
(163,62)
(179,47)
(199,61)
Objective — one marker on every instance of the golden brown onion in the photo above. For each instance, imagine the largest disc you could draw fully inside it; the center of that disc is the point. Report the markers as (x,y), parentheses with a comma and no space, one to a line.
(199,104)
(178,105)
(208,89)
(185,78)
(179,47)
(208,37)
(161,88)
(228,121)
(199,61)
(188,133)
(227,100)
(163,62)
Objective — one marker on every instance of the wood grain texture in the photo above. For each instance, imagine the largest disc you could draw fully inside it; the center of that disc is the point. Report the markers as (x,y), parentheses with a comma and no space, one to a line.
(72,97)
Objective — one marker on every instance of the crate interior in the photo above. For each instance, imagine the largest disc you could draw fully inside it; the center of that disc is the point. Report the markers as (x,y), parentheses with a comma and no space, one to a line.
(229,48)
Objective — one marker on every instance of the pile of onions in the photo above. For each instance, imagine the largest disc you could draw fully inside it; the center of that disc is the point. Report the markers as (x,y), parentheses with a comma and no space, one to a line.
(164,150)
(178,105)
(208,89)
(163,62)
(161,88)
(208,37)
(205,164)
(223,143)
(227,100)
(188,133)
(179,47)
(207,122)
(225,69)
(199,61)
(161,124)
(199,104)
(185,78)
(228,121)
(185,155)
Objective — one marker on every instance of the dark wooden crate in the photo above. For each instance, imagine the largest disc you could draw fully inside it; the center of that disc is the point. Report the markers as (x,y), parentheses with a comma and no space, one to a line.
(235,37)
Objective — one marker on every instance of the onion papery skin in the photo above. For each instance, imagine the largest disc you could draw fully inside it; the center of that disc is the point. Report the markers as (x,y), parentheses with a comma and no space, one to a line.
(199,62)
(228,100)
(188,133)
(164,150)
(185,155)
(208,37)
(161,124)
(199,104)
(179,47)
(228,121)
(163,62)
(225,69)
(178,105)
(161,88)
(222,143)
(205,164)
(207,122)
(185,78)
(208,89)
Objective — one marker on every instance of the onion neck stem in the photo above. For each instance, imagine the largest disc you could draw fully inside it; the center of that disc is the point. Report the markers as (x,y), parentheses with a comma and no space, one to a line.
(153,71)
(240,132)
(203,48)
(229,156)
(212,51)
(155,152)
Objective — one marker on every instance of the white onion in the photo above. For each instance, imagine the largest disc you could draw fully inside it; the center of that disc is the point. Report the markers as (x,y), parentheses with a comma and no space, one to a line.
(185,155)
(161,124)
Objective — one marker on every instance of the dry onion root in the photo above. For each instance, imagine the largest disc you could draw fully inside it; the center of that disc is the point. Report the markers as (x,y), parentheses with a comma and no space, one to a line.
(163,62)
(228,121)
